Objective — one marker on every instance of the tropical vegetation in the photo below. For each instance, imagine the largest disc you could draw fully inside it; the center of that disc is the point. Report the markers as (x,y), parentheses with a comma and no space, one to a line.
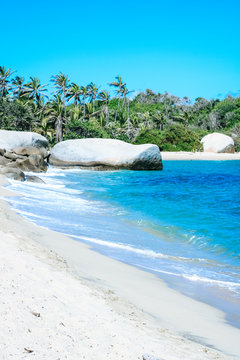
(85,110)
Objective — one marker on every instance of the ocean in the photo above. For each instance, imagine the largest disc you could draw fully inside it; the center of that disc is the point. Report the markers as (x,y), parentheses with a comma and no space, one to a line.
(181,224)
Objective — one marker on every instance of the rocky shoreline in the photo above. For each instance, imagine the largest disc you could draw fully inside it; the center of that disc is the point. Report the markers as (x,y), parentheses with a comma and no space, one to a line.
(28,152)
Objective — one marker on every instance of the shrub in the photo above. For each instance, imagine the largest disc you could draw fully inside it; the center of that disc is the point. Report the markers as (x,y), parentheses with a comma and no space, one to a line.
(179,138)
(79,130)
(150,136)
(173,138)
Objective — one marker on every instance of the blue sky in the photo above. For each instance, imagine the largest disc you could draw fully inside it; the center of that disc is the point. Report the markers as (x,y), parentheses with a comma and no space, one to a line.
(188,48)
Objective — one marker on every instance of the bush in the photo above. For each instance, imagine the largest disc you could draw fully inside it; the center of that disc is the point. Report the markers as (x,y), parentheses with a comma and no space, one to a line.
(179,138)
(15,115)
(150,136)
(79,130)
(173,138)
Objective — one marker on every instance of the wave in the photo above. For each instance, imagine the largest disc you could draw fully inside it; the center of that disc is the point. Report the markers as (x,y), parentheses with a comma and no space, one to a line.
(228,284)
(145,252)
(29,215)
(65,194)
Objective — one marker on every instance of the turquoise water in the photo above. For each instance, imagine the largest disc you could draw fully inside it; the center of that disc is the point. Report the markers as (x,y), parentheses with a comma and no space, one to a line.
(181,224)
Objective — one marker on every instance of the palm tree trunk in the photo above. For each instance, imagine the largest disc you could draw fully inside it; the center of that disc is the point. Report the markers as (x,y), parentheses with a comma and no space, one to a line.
(125,103)
(105,111)
(117,110)
(84,108)
(128,119)
(59,129)
(64,105)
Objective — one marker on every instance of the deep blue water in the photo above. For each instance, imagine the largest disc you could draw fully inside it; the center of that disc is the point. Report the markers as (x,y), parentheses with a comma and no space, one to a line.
(182,223)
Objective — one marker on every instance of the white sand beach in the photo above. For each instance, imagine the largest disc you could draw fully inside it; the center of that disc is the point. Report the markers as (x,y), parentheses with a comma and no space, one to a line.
(184,155)
(61,300)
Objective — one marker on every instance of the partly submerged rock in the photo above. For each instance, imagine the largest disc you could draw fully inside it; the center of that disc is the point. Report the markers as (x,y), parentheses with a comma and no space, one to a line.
(11,139)
(218,143)
(106,153)
(34,179)
(12,173)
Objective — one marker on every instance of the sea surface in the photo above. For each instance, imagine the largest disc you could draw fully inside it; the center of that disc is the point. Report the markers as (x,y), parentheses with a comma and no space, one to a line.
(181,223)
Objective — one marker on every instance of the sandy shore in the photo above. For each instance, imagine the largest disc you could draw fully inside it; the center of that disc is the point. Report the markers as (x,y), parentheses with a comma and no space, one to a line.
(184,155)
(61,300)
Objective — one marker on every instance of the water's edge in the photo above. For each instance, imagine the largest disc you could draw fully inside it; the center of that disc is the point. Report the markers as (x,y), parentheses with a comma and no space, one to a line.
(106,239)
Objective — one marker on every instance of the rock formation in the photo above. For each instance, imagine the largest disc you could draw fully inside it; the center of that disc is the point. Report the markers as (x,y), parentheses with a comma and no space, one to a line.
(22,151)
(103,154)
(218,143)
(11,139)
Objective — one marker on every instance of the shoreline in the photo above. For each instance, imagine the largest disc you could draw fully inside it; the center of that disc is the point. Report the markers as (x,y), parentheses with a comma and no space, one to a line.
(125,287)
(185,155)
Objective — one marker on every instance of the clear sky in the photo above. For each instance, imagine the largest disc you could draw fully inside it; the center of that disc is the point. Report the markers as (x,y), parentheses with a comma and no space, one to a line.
(188,48)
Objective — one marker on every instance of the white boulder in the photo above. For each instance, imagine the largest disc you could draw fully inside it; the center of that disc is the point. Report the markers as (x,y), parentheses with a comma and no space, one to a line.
(106,153)
(218,143)
(12,139)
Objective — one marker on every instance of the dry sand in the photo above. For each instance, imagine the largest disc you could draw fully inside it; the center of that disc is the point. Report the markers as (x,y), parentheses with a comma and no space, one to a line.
(184,155)
(61,300)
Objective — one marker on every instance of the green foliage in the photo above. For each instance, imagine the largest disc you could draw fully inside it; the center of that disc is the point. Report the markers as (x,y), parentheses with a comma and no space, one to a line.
(151,136)
(173,138)
(79,130)
(15,115)
(178,138)
(80,111)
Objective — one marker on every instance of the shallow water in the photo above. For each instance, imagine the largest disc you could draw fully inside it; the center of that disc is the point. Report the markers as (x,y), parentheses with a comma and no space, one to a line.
(181,224)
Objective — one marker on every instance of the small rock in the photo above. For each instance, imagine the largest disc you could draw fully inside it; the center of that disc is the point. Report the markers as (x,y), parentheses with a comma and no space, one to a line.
(30,150)
(150,357)
(2,152)
(12,173)
(36,314)
(3,160)
(34,179)
(10,155)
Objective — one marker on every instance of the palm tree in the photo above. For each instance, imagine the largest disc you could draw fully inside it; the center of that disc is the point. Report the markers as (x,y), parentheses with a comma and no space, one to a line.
(61,83)
(119,84)
(104,96)
(85,94)
(93,91)
(159,119)
(184,118)
(56,113)
(35,90)
(125,93)
(18,86)
(4,80)
(76,113)
(74,92)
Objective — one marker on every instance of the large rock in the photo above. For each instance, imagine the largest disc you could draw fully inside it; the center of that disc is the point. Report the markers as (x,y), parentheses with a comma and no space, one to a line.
(218,143)
(106,153)
(12,139)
